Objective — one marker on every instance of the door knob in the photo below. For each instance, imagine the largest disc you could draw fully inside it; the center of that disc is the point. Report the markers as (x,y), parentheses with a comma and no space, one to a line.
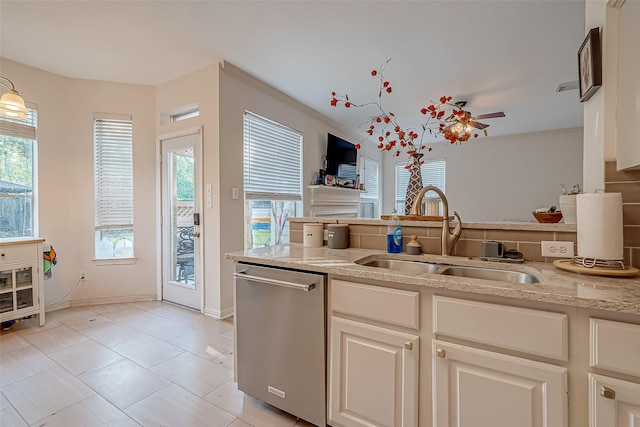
(196,234)
(607,393)
(441,353)
(408,345)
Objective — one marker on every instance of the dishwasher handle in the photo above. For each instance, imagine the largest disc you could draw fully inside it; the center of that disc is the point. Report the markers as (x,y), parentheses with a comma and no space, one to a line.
(300,286)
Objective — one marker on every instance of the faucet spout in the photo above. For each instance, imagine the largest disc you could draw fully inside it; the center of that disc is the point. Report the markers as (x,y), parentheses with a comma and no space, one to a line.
(449,238)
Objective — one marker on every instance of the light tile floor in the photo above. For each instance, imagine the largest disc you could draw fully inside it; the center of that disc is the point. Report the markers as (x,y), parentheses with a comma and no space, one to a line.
(149,364)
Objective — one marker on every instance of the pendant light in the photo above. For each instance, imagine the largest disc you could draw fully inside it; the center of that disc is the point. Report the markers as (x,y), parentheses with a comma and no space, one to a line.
(11,103)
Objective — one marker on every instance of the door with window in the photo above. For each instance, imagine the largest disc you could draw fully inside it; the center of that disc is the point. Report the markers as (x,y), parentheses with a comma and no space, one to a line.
(181,281)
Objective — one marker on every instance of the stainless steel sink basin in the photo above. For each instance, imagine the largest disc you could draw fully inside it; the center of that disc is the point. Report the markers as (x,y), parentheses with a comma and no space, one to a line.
(475,272)
(489,274)
(404,266)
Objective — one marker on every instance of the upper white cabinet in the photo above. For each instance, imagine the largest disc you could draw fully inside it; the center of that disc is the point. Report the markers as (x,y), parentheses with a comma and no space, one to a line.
(628,109)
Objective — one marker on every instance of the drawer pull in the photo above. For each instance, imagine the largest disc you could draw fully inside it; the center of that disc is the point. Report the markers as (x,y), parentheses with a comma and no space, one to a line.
(607,393)
(441,353)
(408,345)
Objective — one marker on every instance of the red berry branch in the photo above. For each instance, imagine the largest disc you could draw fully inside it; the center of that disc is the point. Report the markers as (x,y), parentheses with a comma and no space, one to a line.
(390,136)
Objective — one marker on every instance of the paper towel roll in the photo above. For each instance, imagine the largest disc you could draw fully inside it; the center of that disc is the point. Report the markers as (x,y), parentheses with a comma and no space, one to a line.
(599,217)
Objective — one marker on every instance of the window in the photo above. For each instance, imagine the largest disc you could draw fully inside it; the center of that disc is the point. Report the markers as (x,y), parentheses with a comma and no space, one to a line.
(113,186)
(272,180)
(432,174)
(18,166)
(369,197)
(189,114)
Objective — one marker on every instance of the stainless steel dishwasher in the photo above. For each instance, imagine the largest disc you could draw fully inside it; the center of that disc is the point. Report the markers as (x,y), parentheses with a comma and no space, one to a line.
(280,339)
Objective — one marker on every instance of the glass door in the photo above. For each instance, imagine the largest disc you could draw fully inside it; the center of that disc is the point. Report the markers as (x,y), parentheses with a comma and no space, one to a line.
(181,228)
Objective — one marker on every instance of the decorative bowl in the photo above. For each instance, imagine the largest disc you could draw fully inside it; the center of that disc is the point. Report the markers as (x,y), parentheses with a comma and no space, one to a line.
(548,217)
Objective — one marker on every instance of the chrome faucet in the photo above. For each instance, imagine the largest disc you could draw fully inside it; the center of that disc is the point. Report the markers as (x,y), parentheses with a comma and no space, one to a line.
(449,238)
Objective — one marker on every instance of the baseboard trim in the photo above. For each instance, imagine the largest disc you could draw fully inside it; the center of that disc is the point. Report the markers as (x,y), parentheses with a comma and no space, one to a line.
(220,315)
(112,300)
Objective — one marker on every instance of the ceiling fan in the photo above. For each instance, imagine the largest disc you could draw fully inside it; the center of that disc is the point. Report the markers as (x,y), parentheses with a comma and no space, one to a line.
(461,122)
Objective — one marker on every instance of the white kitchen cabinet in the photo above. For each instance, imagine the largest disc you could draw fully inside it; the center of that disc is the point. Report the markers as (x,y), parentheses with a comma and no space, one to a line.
(374,375)
(615,347)
(373,355)
(21,277)
(628,67)
(474,387)
(613,402)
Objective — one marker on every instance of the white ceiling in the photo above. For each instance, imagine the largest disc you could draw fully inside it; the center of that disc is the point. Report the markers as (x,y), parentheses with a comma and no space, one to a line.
(504,55)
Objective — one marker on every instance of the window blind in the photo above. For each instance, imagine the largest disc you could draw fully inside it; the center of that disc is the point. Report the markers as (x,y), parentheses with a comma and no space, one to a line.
(433,173)
(272,160)
(113,156)
(20,128)
(369,176)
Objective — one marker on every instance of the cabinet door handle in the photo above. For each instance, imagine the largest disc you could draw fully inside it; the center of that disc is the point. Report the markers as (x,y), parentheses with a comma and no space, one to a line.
(441,353)
(607,393)
(408,345)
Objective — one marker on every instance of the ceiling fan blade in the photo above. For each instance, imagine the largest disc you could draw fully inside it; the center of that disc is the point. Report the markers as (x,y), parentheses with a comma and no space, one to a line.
(477,125)
(489,116)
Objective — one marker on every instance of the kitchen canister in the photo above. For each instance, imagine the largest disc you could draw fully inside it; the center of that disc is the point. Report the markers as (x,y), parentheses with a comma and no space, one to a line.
(600,232)
(338,236)
(312,235)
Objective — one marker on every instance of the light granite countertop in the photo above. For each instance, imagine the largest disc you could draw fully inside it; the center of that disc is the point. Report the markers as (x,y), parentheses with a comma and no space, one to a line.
(557,286)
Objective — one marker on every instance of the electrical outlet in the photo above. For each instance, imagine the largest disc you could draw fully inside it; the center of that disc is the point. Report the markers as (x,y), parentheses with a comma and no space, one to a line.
(557,249)
(83,276)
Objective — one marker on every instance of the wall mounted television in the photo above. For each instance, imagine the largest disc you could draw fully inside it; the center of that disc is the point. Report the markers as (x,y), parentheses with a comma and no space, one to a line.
(341,158)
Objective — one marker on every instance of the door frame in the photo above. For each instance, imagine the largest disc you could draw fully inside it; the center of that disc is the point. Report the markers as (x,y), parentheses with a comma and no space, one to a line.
(198,180)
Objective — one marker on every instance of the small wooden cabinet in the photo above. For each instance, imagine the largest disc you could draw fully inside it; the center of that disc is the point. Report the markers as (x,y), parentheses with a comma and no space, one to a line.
(21,277)
(373,357)
(613,402)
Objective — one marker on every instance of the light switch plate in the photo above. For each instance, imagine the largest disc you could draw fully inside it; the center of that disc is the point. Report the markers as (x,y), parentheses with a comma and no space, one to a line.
(557,249)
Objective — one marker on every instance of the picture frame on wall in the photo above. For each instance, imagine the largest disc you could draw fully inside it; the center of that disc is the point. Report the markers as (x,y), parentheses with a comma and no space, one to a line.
(590,65)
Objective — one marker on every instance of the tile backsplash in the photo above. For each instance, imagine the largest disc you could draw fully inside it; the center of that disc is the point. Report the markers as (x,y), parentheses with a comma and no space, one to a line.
(374,236)
(627,183)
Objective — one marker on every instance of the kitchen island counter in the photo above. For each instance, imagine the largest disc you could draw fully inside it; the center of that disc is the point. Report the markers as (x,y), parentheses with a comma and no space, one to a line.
(620,295)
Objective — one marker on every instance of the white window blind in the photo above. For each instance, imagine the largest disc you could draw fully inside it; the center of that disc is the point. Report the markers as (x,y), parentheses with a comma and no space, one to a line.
(20,128)
(113,151)
(369,177)
(272,160)
(433,173)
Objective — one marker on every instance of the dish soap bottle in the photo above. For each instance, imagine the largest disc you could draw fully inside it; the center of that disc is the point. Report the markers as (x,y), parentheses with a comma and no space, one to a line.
(394,234)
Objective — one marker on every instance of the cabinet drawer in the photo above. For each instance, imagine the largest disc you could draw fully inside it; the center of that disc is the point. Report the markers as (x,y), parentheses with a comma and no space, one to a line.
(388,305)
(615,346)
(530,331)
(18,253)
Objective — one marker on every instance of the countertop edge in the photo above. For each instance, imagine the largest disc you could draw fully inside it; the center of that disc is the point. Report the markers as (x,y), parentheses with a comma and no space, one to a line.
(558,287)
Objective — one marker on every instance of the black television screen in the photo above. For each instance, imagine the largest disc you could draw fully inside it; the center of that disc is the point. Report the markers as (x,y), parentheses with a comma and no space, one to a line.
(341,157)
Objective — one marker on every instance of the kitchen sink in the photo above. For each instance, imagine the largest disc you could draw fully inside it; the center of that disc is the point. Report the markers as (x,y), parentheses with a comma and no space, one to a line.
(489,274)
(404,266)
(475,272)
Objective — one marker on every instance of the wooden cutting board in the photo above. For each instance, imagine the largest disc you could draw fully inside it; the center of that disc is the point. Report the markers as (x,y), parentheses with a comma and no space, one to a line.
(414,217)
(566,264)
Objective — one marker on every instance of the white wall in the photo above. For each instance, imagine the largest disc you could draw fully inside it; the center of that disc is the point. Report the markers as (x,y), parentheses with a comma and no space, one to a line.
(66,209)
(504,177)
(239,92)
(594,108)
(201,88)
